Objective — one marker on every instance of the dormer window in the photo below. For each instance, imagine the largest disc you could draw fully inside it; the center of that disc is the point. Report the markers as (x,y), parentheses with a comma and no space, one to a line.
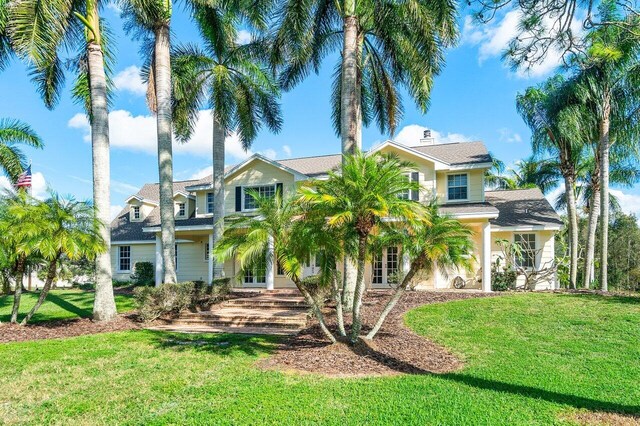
(182,209)
(457,187)
(136,212)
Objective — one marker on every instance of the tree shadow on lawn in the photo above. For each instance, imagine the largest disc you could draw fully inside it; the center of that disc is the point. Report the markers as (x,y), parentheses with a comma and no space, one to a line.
(219,344)
(614,299)
(68,306)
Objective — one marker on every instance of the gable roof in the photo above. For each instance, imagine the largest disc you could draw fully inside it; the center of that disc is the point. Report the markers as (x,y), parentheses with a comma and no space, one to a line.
(523,208)
(314,166)
(457,153)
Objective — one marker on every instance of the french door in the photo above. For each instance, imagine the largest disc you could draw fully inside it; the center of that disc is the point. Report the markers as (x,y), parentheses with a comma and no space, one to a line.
(385,267)
(256,276)
(312,267)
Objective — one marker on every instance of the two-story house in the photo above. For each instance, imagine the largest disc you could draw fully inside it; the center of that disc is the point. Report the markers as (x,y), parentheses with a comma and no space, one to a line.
(454,173)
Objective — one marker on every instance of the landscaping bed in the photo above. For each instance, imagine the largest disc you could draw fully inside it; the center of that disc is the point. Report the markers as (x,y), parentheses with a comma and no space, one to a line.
(394,350)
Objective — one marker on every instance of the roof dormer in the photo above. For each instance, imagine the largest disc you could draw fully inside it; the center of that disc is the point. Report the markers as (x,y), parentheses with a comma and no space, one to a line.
(139,208)
(184,205)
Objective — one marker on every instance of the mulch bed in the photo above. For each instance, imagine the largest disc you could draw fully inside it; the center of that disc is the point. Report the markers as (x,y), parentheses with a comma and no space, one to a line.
(65,328)
(394,350)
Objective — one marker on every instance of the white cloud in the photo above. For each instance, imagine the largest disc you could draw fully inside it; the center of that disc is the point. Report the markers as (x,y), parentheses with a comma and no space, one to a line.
(243,37)
(493,39)
(411,135)
(287,150)
(113,5)
(138,133)
(38,185)
(509,136)
(129,80)
(114,211)
(552,196)
(207,171)
(270,153)
(629,203)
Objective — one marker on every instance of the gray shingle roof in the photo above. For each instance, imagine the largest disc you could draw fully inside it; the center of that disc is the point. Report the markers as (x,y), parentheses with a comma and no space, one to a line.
(313,166)
(457,153)
(468,208)
(522,207)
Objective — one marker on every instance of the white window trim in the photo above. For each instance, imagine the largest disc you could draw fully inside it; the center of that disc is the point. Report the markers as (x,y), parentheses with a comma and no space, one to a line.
(133,213)
(206,202)
(120,257)
(207,253)
(185,210)
(446,189)
(384,270)
(536,260)
(273,185)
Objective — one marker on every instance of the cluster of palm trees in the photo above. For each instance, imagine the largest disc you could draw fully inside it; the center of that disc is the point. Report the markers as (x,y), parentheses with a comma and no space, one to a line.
(353,213)
(44,234)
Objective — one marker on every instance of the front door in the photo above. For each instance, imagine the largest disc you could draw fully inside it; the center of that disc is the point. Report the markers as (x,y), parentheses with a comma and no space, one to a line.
(312,267)
(385,267)
(256,276)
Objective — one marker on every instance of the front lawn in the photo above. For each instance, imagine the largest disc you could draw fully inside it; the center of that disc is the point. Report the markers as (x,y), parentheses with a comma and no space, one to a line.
(59,304)
(531,359)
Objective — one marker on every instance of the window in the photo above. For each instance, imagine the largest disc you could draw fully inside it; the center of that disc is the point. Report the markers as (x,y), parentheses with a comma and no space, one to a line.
(182,209)
(411,194)
(136,212)
(377,270)
(209,202)
(527,243)
(175,258)
(280,269)
(405,195)
(257,273)
(385,266)
(124,258)
(457,188)
(206,251)
(392,264)
(264,191)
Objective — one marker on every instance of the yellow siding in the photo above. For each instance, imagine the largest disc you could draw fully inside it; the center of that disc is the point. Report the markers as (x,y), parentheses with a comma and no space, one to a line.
(139,253)
(475,182)
(426,171)
(191,263)
(201,203)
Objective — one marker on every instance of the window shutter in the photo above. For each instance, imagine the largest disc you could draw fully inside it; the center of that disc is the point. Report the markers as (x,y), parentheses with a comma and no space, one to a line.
(238,198)
(415,195)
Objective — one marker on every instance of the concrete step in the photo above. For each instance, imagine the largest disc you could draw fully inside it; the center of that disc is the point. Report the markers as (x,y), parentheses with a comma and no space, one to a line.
(221,329)
(241,322)
(267,303)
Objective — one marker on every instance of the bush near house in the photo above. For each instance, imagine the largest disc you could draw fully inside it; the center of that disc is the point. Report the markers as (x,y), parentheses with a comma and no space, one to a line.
(143,273)
(166,299)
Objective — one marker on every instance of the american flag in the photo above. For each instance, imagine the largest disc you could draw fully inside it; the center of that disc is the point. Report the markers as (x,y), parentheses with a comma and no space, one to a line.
(24,180)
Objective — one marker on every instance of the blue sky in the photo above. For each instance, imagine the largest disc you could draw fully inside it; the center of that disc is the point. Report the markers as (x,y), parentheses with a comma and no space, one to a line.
(473,99)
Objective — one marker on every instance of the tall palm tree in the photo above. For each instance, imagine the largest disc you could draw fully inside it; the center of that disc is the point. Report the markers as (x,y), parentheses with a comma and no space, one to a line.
(361,200)
(530,172)
(557,123)
(151,21)
(609,74)
(383,46)
(242,93)
(41,31)
(12,133)
(442,244)
(70,230)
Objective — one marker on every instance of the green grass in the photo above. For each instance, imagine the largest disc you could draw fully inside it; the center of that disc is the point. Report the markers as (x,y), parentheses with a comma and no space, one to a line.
(59,304)
(531,359)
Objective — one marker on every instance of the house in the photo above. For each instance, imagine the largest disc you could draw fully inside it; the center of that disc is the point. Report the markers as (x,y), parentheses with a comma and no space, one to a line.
(453,172)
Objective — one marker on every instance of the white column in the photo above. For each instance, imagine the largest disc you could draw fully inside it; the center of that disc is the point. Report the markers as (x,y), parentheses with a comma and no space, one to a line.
(270,270)
(210,262)
(406,263)
(158,260)
(486,257)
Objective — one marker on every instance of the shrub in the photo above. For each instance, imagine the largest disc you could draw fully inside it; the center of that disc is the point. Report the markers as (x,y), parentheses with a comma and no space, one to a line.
(207,295)
(317,289)
(167,299)
(503,279)
(143,273)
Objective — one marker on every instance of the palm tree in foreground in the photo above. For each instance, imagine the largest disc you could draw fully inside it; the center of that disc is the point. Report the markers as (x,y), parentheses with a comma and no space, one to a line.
(70,230)
(151,20)
(362,200)
(40,32)
(12,133)
(242,93)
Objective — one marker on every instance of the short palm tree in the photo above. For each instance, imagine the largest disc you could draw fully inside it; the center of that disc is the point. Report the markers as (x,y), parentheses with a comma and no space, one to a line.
(71,231)
(561,129)
(241,92)
(151,20)
(441,243)
(20,225)
(363,199)
(41,31)
(13,133)
(609,73)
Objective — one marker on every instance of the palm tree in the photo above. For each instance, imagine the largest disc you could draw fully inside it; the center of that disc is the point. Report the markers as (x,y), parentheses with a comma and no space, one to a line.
(365,198)
(557,123)
(242,93)
(609,76)
(383,45)
(20,224)
(442,244)
(12,133)
(151,20)
(5,43)
(40,32)
(279,224)
(70,230)
(529,173)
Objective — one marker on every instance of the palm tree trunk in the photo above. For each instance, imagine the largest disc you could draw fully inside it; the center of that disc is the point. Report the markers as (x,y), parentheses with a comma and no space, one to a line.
(400,290)
(356,323)
(604,193)
(162,76)
(219,135)
(51,275)
(20,267)
(350,119)
(104,306)
(337,297)
(594,214)
(316,311)
(572,212)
